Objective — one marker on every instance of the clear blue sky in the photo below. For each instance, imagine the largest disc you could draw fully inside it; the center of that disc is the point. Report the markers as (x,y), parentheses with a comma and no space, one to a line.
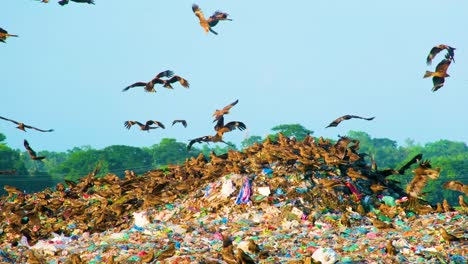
(305,62)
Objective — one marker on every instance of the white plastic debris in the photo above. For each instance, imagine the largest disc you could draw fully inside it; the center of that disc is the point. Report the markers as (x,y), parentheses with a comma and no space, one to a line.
(325,255)
(265,191)
(228,188)
(141,219)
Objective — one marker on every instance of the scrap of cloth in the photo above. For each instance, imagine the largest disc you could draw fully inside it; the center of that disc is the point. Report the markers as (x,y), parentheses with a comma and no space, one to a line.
(245,192)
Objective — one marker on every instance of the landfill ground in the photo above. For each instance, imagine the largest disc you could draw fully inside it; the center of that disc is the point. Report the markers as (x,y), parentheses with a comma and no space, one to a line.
(274,202)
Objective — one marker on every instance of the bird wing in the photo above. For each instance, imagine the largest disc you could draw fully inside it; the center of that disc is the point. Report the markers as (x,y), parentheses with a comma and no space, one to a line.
(198,140)
(229,106)
(167,74)
(183,122)
(31,152)
(359,117)
(337,121)
(3,31)
(220,123)
(443,66)
(4,118)
(231,126)
(454,185)
(179,79)
(434,51)
(216,17)
(38,129)
(437,82)
(201,17)
(137,84)
(128,124)
(414,160)
(151,122)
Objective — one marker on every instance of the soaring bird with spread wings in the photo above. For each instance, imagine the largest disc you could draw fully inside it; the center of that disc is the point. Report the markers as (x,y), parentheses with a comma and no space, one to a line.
(212,21)
(456,186)
(183,122)
(149,86)
(347,117)
(145,127)
(4,35)
(435,50)
(438,77)
(221,112)
(220,129)
(31,152)
(65,2)
(22,126)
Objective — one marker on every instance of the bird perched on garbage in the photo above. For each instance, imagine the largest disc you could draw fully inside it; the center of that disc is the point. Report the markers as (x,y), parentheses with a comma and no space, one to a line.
(446,206)
(390,249)
(243,258)
(456,186)
(227,252)
(31,152)
(435,50)
(218,113)
(212,21)
(346,117)
(438,77)
(22,126)
(4,35)
(149,257)
(65,2)
(183,122)
(253,247)
(74,259)
(168,252)
(149,86)
(146,127)
(449,237)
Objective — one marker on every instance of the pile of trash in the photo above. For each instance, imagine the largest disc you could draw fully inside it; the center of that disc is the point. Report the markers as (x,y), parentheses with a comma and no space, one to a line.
(282,201)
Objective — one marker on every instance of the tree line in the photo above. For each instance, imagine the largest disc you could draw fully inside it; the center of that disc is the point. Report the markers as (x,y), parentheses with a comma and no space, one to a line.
(32,176)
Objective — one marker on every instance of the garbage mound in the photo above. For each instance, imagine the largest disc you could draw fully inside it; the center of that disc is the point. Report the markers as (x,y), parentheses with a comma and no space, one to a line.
(299,200)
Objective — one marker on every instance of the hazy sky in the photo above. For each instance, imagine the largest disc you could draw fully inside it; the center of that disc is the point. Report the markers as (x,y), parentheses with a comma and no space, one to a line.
(305,62)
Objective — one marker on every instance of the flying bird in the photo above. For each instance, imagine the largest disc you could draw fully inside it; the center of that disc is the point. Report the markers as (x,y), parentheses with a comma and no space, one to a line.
(4,35)
(438,77)
(220,113)
(149,86)
(435,50)
(199,140)
(31,152)
(456,186)
(65,2)
(183,122)
(176,78)
(22,126)
(146,127)
(347,117)
(222,128)
(212,21)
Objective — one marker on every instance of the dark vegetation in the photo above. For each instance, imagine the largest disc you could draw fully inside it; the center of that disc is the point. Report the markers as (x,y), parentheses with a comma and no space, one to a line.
(32,176)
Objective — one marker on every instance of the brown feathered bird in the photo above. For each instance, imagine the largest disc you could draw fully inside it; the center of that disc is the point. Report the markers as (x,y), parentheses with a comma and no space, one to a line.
(183,122)
(176,78)
(212,21)
(456,186)
(4,35)
(31,152)
(435,50)
(149,86)
(449,237)
(146,127)
(22,126)
(168,252)
(220,129)
(199,140)
(438,77)
(462,203)
(218,113)
(347,117)
(243,258)
(227,252)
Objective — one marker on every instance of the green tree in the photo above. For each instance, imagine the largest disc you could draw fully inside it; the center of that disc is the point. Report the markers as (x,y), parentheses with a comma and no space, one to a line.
(250,141)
